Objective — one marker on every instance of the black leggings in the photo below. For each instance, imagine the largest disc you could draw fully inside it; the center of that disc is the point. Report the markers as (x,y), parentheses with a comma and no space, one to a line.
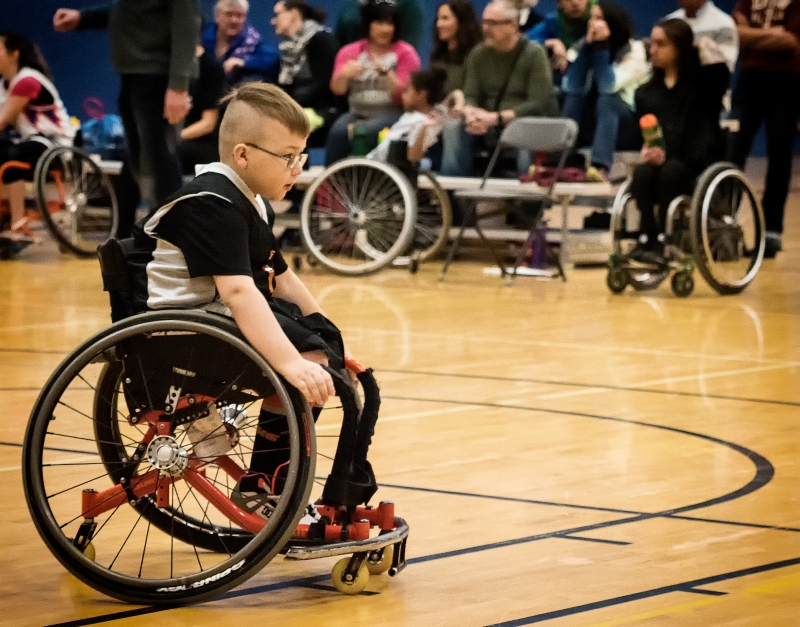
(26,151)
(658,186)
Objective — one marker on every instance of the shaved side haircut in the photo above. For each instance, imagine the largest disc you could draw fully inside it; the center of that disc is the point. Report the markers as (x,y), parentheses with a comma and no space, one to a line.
(249,105)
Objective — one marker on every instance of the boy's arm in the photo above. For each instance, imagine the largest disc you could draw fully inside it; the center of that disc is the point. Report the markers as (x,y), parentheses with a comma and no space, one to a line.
(289,287)
(258,324)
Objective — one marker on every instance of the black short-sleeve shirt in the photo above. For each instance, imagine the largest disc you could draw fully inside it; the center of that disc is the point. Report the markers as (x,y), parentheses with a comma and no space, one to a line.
(220,237)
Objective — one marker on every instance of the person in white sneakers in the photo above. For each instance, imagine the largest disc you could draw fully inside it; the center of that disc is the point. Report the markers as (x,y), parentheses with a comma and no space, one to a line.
(708,20)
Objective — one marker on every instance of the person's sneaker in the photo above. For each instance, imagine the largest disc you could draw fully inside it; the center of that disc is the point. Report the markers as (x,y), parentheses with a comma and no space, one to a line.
(254,495)
(648,253)
(772,245)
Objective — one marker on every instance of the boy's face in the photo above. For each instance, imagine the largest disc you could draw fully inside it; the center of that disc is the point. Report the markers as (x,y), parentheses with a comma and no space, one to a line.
(269,175)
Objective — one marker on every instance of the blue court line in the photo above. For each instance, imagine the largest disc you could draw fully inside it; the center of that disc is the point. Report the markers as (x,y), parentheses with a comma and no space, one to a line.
(598,386)
(689,586)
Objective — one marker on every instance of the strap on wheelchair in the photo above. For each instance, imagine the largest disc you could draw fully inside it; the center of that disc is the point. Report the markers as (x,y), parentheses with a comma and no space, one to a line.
(116,280)
(352,481)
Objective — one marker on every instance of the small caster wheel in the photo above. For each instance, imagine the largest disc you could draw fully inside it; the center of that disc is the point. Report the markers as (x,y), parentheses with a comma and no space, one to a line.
(382,563)
(312,261)
(413,263)
(617,280)
(355,586)
(682,284)
(297,262)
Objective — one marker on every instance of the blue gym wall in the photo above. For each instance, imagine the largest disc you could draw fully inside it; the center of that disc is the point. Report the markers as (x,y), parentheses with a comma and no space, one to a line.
(80,61)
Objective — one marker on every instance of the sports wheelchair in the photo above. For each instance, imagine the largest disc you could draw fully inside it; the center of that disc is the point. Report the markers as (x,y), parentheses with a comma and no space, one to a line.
(137,448)
(719,230)
(74,199)
(361,215)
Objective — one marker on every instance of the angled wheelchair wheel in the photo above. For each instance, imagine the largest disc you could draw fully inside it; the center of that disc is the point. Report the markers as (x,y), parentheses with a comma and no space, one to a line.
(358,216)
(727,229)
(76,200)
(139,449)
(432,226)
(625,220)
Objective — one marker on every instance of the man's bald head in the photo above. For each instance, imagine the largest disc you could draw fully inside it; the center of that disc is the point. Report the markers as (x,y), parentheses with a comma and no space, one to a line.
(249,107)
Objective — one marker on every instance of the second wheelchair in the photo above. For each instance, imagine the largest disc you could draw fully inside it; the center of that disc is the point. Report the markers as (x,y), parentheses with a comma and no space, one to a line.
(718,230)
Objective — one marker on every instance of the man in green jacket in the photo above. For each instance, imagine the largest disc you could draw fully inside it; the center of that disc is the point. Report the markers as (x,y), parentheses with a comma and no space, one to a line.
(153,49)
(507,76)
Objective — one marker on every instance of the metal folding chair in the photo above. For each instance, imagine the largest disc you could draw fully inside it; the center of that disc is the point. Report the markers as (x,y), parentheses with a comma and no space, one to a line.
(542,135)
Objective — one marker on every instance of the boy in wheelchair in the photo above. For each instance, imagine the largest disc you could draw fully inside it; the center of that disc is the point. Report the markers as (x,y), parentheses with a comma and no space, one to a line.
(211,246)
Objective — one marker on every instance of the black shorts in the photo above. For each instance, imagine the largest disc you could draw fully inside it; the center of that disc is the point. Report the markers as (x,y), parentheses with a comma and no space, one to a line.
(25,151)
(309,333)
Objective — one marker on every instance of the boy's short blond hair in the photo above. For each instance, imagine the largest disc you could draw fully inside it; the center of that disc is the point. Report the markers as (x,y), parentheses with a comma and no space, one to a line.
(263,100)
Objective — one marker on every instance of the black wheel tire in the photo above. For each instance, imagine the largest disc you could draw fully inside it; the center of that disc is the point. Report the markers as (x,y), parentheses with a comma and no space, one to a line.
(192,588)
(698,249)
(617,280)
(682,284)
(297,263)
(89,170)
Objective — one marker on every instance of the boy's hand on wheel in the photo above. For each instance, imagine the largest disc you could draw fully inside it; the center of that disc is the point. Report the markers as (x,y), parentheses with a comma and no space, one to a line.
(311,380)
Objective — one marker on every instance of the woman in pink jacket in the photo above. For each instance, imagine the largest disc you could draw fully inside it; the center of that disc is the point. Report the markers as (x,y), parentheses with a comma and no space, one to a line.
(372,73)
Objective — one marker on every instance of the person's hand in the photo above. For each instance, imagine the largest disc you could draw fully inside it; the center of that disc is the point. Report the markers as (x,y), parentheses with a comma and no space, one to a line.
(176,105)
(352,69)
(66,20)
(654,155)
(232,64)
(598,30)
(559,52)
(480,121)
(455,103)
(310,379)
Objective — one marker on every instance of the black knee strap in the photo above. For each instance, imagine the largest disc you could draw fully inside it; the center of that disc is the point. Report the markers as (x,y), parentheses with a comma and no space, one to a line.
(352,481)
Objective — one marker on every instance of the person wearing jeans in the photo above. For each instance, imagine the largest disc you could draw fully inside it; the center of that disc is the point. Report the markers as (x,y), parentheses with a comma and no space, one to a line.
(153,44)
(615,65)
(769,92)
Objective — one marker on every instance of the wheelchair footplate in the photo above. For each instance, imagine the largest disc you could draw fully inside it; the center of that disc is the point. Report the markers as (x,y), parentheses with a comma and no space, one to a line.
(643,276)
(341,532)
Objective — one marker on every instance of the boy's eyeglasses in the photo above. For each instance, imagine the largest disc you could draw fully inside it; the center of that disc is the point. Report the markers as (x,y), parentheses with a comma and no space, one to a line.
(497,22)
(292,161)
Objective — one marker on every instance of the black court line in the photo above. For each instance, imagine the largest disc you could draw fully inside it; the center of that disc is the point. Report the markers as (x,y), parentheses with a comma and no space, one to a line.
(594,508)
(30,389)
(688,586)
(599,540)
(618,388)
(764,474)
(710,593)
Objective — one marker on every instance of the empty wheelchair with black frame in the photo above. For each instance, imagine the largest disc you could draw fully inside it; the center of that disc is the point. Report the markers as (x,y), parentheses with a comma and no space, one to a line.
(719,230)
(141,460)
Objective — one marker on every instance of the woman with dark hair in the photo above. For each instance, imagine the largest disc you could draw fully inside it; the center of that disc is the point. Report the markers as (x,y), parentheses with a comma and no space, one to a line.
(307,52)
(372,73)
(35,110)
(457,31)
(685,94)
(608,66)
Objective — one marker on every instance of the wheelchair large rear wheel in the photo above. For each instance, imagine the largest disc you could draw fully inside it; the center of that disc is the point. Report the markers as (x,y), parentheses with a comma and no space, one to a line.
(727,229)
(135,449)
(434,219)
(76,200)
(358,216)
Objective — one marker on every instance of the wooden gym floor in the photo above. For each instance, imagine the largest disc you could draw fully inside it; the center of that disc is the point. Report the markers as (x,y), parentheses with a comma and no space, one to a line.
(562,455)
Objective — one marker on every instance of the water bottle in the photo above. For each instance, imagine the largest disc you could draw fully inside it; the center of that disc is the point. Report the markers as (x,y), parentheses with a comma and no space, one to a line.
(651,132)
(360,144)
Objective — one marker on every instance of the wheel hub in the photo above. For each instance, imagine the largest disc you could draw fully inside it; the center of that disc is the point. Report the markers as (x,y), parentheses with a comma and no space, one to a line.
(169,457)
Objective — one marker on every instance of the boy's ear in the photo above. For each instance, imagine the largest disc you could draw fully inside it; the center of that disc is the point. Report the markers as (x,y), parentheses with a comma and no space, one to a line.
(240,155)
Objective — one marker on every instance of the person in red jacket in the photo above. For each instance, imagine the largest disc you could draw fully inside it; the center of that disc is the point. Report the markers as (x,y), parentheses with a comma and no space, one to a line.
(769,92)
